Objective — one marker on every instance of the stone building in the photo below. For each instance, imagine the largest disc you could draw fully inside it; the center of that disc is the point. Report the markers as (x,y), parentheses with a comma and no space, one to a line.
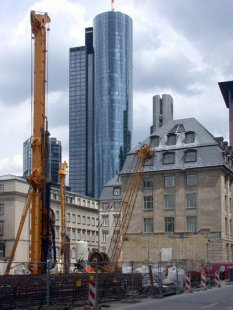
(184,203)
(81,218)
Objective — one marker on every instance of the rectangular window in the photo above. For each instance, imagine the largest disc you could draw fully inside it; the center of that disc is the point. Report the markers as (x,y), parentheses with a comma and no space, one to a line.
(68,217)
(78,219)
(93,221)
(116,218)
(84,220)
(168,158)
(147,183)
(1,209)
(68,231)
(169,181)
(88,235)
(84,235)
(169,224)
(78,234)
(73,218)
(1,188)
(171,139)
(148,202)
(105,206)
(191,223)
(191,179)
(117,206)
(191,200)
(73,234)
(88,220)
(1,227)
(104,235)
(190,156)
(105,220)
(57,232)
(169,202)
(148,225)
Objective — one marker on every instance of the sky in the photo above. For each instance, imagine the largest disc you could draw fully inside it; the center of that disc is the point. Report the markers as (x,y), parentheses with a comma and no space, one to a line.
(180,47)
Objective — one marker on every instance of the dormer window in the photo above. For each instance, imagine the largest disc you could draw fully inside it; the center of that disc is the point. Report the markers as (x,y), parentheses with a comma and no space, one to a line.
(190,156)
(154,140)
(169,158)
(116,191)
(171,139)
(189,137)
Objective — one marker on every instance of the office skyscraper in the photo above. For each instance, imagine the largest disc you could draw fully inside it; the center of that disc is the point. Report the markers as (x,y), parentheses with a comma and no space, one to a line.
(113,93)
(55,152)
(81,117)
(100,103)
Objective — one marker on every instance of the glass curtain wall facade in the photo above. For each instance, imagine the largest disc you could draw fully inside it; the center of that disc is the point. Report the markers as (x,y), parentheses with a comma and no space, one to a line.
(55,154)
(113,94)
(81,113)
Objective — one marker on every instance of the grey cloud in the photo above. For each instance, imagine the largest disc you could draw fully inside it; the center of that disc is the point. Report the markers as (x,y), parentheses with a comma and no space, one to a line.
(177,73)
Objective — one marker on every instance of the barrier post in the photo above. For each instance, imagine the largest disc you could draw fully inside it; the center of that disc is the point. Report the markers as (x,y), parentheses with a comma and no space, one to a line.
(177,280)
(203,280)
(92,293)
(217,279)
(188,283)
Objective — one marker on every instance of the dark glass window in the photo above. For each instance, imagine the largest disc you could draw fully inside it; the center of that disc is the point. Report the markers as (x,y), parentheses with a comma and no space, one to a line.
(148,225)
(147,183)
(148,202)
(169,224)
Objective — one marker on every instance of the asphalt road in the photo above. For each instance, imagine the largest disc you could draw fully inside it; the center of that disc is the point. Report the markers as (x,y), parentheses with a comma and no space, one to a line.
(212,299)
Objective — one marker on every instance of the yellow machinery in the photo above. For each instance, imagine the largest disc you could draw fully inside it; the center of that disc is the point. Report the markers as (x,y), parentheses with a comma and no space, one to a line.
(62,173)
(129,191)
(42,218)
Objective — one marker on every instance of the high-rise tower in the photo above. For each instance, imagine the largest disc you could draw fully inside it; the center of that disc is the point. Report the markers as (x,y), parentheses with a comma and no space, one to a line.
(81,117)
(55,153)
(113,94)
(100,103)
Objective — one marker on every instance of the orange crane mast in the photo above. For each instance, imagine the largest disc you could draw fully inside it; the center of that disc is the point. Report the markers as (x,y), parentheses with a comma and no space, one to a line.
(42,219)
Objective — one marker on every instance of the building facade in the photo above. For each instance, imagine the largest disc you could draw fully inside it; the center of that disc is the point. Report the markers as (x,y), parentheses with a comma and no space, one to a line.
(100,103)
(184,204)
(81,219)
(81,117)
(55,153)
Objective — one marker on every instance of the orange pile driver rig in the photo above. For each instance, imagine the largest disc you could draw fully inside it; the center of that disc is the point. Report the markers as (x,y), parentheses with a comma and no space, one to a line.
(42,234)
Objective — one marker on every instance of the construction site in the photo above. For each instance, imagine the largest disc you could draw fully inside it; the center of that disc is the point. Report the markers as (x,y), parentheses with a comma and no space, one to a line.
(131,264)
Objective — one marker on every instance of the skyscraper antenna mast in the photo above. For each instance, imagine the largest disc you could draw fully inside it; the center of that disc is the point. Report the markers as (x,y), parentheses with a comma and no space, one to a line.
(112,5)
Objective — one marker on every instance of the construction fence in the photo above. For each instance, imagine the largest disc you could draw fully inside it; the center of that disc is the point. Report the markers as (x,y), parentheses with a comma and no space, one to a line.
(95,287)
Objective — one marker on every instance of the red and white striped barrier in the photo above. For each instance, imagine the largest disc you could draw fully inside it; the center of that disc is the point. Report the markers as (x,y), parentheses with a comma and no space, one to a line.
(187,282)
(203,280)
(216,278)
(92,293)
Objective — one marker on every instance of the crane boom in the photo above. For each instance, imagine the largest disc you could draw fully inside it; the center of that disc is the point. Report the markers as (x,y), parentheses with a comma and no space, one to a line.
(128,201)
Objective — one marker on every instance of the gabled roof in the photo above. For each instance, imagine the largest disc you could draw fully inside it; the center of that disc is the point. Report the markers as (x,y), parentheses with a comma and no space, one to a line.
(209,152)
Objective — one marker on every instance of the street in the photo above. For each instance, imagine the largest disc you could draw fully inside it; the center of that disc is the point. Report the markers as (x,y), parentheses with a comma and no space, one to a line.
(213,299)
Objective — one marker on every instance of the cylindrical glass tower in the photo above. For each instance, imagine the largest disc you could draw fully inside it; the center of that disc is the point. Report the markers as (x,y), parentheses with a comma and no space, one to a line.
(113,94)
